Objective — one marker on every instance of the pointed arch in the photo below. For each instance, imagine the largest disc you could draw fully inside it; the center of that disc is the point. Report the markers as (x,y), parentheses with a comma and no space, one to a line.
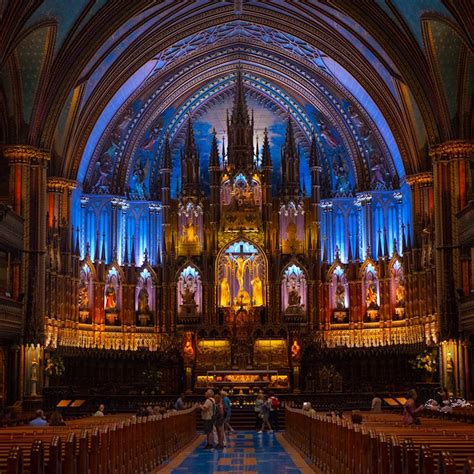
(189,290)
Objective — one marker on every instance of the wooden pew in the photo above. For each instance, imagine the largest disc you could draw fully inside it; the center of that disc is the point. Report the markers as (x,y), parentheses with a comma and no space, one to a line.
(119,444)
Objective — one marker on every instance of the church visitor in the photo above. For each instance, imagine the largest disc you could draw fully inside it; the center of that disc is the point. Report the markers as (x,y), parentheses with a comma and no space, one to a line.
(100,410)
(228,411)
(219,419)
(179,404)
(258,410)
(376,405)
(274,405)
(410,410)
(308,408)
(265,417)
(207,416)
(56,419)
(40,420)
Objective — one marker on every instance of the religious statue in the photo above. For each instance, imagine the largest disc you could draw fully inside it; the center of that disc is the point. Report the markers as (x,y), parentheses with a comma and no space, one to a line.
(450,376)
(400,294)
(341,174)
(83,298)
(225,292)
(257,293)
(371,296)
(188,349)
(340,295)
(189,232)
(104,168)
(143,307)
(295,350)
(139,175)
(291,232)
(110,299)
(294,298)
(241,262)
(378,172)
(187,296)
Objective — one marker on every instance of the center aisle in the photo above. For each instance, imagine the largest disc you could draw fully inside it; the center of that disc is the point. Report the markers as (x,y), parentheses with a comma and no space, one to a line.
(245,452)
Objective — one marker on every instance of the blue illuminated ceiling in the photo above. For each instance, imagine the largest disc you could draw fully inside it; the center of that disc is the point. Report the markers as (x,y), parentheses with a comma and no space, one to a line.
(319,93)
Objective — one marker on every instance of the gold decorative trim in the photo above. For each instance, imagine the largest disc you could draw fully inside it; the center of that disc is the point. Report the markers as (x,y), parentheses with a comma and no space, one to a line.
(452,150)
(58,185)
(24,154)
(422,179)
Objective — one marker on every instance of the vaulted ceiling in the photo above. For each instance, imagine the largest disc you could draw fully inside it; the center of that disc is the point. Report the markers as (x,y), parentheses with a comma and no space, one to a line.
(388,78)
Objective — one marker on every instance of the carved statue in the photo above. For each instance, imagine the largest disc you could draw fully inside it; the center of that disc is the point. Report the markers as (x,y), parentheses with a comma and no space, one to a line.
(294,298)
(291,232)
(83,298)
(139,174)
(341,173)
(188,349)
(225,292)
(143,307)
(189,232)
(340,295)
(188,296)
(241,262)
(371,296)
(110,299)
(257,293)
(400,294)
(295,350)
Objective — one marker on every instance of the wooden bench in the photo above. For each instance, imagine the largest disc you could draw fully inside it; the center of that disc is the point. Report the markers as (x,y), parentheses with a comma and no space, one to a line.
(381,444)
(96,445)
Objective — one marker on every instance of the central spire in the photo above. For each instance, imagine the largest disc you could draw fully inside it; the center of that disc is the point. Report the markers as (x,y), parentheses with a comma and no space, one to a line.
(240,148)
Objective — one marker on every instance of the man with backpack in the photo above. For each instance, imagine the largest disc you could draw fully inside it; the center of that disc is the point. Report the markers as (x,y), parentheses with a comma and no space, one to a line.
(208,414)
(274,405)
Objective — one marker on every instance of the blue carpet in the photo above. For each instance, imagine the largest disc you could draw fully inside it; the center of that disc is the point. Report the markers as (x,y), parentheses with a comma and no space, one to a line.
(245,452)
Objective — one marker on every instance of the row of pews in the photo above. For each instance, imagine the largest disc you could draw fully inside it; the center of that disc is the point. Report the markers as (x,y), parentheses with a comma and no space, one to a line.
(97,445)
(381,444)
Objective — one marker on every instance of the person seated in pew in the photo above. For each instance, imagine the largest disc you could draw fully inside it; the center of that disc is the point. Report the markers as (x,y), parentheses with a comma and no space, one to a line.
(56,419)
(410,409)
(100,410)
(40,420)
(307,408)
(376,404)
(179,404)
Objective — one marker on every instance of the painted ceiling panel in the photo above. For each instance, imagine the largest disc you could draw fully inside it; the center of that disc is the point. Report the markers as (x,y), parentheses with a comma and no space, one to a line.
(412,10)
(31,54)
(447,49)
(65,13)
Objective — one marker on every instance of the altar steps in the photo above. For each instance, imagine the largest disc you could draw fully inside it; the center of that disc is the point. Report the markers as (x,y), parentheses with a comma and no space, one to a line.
(243,418)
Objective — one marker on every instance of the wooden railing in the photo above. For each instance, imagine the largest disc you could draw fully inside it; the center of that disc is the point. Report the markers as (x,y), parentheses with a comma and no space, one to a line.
(97,445)
(381,444)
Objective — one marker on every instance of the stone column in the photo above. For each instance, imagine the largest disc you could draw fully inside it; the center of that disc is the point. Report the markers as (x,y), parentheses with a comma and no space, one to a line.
(450,165)
(450,196)
(28,189)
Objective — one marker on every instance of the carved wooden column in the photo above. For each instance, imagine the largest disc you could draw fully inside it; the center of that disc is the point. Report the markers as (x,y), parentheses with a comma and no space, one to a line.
(450,164)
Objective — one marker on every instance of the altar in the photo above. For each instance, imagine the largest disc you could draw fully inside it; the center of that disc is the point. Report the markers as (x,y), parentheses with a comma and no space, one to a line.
(244,382)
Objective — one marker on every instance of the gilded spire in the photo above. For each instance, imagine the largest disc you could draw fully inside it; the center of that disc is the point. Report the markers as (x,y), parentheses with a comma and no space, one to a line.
(214,155)
(266,156)
(167,153)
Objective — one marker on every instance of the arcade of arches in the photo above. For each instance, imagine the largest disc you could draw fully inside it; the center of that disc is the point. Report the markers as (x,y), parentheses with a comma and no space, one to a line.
(238,193)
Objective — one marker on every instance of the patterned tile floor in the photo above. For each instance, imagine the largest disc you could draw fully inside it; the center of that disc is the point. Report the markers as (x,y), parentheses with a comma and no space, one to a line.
(246,452)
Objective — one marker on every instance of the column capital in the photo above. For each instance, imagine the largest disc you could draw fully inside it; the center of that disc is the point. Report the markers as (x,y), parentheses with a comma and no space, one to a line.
(422,179)
(452,150)
(25,154)
(58,185)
